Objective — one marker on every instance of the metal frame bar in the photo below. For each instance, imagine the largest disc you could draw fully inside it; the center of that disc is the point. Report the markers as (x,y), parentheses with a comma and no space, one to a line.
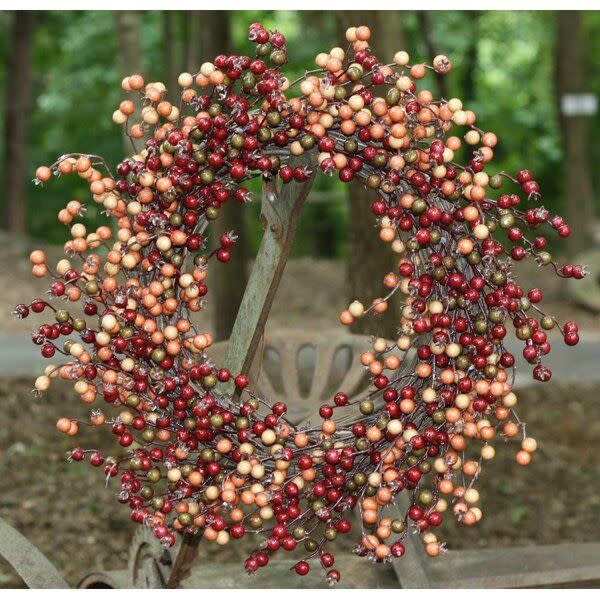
(30,564)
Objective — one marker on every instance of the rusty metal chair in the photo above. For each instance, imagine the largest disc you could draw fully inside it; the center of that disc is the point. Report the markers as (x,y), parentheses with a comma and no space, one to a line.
(285,368)
(304,367)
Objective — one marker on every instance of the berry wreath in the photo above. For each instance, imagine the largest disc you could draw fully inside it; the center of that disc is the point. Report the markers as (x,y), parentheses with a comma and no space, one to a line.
(221,464)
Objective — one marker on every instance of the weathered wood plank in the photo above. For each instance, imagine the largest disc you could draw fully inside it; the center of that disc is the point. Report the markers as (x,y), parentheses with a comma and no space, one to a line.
(279,215)
(278,574)
(513,567)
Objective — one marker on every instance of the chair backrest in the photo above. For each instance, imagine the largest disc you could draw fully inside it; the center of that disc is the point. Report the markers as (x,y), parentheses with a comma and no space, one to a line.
(305,368)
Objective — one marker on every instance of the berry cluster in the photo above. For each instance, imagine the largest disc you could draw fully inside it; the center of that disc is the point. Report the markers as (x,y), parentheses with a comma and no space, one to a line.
(197,457)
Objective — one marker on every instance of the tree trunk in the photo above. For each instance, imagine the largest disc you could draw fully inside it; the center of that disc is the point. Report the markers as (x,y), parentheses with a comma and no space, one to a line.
(131,56)
(427,33)
(129,47)
(210,35)
(571,79)
(369,259)
(16,119)
(194,51)
(172,53)
(469,89)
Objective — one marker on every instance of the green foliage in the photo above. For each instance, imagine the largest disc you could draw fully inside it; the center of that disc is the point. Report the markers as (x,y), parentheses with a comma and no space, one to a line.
(76,89)
(516,93)
(503,67)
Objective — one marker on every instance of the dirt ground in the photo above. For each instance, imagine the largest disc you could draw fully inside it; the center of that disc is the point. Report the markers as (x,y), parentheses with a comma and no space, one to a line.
(67,512)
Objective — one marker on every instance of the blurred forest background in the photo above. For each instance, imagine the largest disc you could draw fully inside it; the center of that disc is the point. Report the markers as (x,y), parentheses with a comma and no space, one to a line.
(61,73)
(60,76)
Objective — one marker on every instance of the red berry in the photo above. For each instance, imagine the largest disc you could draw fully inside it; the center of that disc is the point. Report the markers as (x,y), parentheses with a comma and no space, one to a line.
(302,568)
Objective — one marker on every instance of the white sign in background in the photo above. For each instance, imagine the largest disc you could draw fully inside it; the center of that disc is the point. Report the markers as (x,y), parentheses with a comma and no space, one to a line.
(577,105)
